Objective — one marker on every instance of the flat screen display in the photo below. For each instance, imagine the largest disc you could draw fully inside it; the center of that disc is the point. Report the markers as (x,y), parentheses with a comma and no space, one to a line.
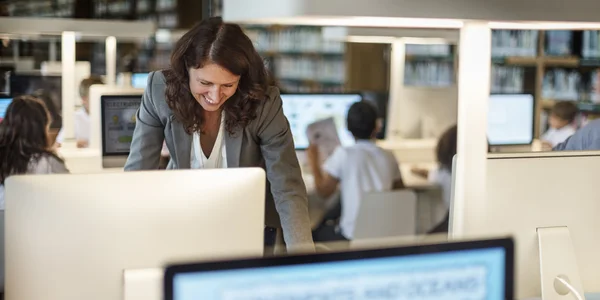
(302,110)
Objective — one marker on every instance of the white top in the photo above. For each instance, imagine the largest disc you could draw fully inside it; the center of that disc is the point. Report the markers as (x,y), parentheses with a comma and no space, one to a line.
(556,136)
(218,155)
(45,165)
(82,127)
(443,178)
(360,168)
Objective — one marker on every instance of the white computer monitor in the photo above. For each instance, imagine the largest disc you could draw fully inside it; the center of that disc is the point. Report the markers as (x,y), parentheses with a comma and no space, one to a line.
(448,271)
(553,194)
(303,109)
(4,103)
(118,118)
(96,93)
(139,80)
(71,237)
(510,119)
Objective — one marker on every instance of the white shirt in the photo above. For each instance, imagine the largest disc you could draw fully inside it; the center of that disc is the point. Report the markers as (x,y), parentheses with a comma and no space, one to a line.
(360,168)
(443,178)
(556,136)
(218,155)
(45,165)
(82,127)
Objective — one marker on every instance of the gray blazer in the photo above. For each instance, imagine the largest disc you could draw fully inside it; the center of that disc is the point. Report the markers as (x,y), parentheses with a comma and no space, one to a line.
(266,142)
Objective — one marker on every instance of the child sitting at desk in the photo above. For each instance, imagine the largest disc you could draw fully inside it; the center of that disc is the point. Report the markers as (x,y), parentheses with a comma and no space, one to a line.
(442,175)
(25,147)
(357,169)
(561,119)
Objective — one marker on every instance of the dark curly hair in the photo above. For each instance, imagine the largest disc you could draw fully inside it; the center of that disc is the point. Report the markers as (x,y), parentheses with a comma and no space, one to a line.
(213,41)
(446,147)
(23,136)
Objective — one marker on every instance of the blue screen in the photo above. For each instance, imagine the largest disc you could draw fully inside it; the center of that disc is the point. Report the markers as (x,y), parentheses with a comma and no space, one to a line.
(469,274)
(510,119)
(4,103)
(302,110)
(139,80)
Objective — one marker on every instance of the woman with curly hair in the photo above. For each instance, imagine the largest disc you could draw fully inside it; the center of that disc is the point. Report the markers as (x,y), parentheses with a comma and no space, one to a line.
(215,109)
(25,147)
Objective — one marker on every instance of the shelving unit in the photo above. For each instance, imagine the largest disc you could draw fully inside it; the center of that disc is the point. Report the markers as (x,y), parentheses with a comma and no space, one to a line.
(299,58)
(431,66)
(562,69)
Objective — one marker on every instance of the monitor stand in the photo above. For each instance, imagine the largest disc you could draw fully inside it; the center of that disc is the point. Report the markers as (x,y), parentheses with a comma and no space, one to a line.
(558,265)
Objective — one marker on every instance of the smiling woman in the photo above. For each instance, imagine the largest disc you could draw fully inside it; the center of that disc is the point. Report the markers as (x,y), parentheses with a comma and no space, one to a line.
(215,109)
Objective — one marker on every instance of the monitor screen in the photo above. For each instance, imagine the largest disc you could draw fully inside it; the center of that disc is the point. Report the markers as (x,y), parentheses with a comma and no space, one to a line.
(139,80)
(302,110)
(4,103)
(118,117)
(510,119)
(46,87)
(476,273)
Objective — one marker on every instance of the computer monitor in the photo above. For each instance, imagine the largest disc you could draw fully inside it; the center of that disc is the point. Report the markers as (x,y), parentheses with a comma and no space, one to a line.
(302,110)
(510,119)
(529,195)
(464,270)
(139,80)
(4,103)
(47,87)
(70,237)
(118,117)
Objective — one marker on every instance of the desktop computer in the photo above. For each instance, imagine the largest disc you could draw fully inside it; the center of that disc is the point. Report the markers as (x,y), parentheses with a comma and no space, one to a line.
(4,103)
(511,119)
(139,80)
(118,117)
(302,110)
(549,203)
(461,270)
(96,94)
(73,237)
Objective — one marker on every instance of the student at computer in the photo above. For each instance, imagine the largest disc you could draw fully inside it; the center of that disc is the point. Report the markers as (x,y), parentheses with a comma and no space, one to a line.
(215,109)
(358,169)
(24,141)
(82,115)
(561,121)
(442,174)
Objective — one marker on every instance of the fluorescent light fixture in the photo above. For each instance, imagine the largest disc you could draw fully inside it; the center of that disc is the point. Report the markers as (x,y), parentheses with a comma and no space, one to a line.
(545,25)
(362,22)
(370,39)
(425,41)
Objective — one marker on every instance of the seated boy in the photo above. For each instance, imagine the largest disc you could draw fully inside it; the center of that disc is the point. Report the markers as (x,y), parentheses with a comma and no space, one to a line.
(561,119)
(358,169)
(82,115)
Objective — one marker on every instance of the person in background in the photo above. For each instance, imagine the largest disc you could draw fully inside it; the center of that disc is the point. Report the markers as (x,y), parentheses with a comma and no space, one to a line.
(24,143)
(82,115)
(561,121)
(215,109)
(586,138)
(358,169)
(442,175)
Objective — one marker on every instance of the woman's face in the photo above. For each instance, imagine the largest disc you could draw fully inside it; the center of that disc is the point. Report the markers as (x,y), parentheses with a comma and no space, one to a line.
(212,85)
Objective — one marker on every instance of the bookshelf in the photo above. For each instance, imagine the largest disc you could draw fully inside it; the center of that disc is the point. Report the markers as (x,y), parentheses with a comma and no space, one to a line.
(553,65)
(299,58)
(431,66)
